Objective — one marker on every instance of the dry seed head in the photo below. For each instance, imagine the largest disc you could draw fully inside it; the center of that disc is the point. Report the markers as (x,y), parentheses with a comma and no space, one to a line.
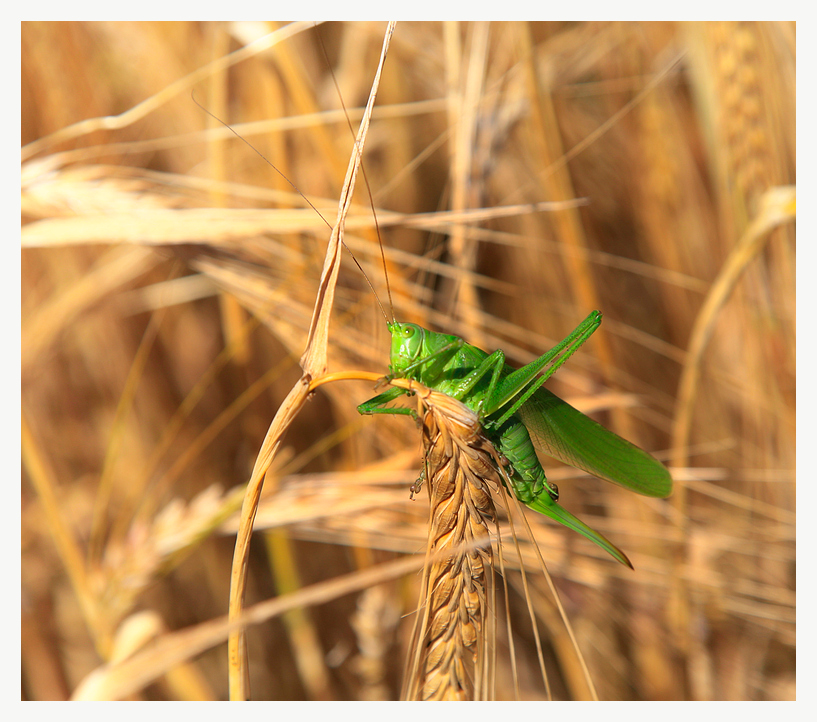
(743,120)
(451,660)
(374,623)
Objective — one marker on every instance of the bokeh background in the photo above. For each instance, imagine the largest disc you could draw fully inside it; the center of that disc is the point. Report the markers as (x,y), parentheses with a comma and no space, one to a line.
(168,277)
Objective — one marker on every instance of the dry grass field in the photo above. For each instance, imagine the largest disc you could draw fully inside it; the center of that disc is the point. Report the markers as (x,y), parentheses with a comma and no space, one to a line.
(169,276)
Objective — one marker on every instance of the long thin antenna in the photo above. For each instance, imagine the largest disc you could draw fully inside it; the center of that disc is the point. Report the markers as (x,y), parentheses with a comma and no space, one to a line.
(311,205)
(365,177)
(262,156)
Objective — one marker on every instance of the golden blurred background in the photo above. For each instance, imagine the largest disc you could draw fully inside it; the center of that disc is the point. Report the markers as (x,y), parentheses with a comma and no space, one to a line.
(168,278)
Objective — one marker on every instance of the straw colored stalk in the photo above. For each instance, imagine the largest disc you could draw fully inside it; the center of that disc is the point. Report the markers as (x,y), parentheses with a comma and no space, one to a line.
(450,659)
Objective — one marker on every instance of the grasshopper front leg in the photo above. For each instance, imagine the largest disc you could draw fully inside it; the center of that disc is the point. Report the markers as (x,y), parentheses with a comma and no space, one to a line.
(377,404)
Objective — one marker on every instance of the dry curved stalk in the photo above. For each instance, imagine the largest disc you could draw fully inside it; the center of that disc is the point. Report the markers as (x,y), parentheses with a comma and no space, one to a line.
(451,647)
(776,206)
(313,362)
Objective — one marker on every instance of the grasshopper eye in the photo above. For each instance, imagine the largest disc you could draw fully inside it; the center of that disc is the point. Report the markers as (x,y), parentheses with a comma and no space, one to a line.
(408,331)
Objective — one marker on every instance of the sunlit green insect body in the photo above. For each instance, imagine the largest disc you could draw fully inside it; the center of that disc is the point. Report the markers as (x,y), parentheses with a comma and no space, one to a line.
(517,412)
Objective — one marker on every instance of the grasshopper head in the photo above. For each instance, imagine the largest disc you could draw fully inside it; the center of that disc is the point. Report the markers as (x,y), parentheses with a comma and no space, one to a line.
(406,345)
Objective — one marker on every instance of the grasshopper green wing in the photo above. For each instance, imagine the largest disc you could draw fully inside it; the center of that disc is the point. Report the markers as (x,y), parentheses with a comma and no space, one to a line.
(566,434)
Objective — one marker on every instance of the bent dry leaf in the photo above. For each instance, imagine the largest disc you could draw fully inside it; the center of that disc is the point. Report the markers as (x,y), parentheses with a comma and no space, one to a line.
(313,363)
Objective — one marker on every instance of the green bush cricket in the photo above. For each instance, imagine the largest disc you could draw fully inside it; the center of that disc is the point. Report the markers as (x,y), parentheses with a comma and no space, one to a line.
(514,408)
